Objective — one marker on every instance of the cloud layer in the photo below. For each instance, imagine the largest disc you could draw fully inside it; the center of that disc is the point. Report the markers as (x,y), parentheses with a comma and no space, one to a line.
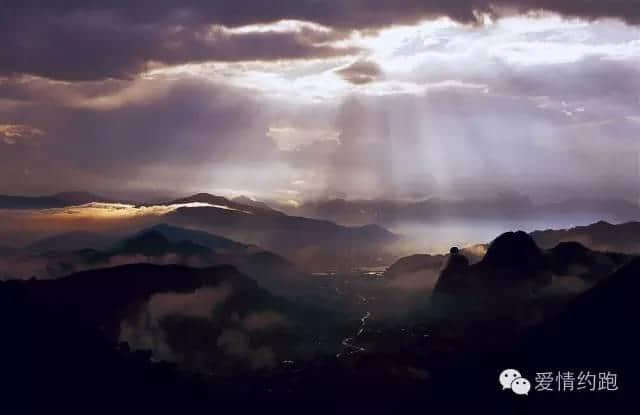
(81,40)
(309,99)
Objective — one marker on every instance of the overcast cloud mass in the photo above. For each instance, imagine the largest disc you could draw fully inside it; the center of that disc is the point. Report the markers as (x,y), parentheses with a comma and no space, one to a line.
(303,99)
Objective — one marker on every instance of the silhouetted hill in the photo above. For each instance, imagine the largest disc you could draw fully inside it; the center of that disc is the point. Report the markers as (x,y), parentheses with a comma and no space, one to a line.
(513,250)
(595,331)
(164,244)
(573,258)
(415,263)
(65,332)
(211,241)
(517,281)
(511,259)
(153,243)
(103,298)
(196,248)
(429,263)
(513,263)
(600,236)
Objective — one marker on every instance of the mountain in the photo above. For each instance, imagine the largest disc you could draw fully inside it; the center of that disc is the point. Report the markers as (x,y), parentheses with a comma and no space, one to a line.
(30,202)
(573,258)
(513,251)
(519,281)
(79,240)
(426,262)
(513,256)
(601,236)
(318,244)
(152,243)
(161,244)
(72,241)
(244,200)
(214,242)
(164,243)
(212,320)
(596,330)
(418,263)
(224,203)
(589,334)
(315,243)
(218,322)
(433,210)
(57,200)
(80,198)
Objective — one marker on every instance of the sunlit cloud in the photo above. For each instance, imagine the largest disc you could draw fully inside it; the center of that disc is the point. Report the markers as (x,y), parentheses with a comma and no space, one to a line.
(399,51)
(98,210)
(289,137)
(12,133)
(283,26)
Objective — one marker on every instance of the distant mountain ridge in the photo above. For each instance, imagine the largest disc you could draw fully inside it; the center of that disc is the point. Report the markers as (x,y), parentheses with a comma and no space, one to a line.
(211,241)
(513,206)
(312,242)
(242,204)
(57,200)
(318,244)
(601,236)
(161,244)
(71,241)
(244,200)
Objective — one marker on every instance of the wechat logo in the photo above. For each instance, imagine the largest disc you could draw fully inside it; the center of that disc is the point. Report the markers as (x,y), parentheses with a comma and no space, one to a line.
(512,379)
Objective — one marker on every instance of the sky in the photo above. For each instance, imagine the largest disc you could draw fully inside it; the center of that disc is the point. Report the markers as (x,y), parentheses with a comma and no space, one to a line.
(307,99)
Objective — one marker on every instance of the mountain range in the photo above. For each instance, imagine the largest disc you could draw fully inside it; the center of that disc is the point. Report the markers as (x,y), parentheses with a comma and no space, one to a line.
(60,255)
(57,200)
(434,210)
(587,252)
(314,243)
(514,279)
(242,336)
(601,236)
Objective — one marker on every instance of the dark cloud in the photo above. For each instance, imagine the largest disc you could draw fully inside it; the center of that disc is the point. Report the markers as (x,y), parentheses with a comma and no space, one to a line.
(335,13)
(90,46)
(177,132)
(81,40)
(361,72)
